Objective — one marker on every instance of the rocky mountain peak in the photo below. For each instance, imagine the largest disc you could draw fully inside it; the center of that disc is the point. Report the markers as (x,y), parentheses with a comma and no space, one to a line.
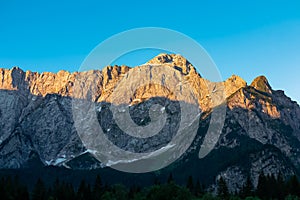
(11,79)
(261,130)
(236,81)
(115,71)
(173,60)
(261,83)
(233,84)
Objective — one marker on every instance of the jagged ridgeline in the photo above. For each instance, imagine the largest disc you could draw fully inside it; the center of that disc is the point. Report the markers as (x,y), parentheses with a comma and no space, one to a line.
(261,130)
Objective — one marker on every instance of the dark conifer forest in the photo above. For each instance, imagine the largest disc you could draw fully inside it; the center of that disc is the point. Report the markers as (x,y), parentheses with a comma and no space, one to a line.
(269,187)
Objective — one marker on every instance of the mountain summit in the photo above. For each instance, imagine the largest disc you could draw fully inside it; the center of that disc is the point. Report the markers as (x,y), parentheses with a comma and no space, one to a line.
(175,60)
(261,83)
(261,131)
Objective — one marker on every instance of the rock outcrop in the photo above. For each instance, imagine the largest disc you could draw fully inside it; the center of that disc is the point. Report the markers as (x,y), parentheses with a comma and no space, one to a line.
(262,84)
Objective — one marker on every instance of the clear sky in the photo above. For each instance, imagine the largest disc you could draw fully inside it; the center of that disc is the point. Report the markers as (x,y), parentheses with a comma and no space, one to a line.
(247,38)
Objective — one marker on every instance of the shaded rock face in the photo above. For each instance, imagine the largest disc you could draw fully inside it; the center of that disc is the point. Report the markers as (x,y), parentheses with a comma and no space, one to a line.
(140,115)
(262,125)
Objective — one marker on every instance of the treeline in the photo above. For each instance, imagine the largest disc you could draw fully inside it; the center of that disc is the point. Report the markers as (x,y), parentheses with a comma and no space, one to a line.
(269,187)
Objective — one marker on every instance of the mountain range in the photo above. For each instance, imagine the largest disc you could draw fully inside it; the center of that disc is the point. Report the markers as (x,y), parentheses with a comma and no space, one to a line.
(261,131)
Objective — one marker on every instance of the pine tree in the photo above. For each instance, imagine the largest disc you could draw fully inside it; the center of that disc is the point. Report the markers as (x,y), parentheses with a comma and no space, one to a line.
(132,192)
(22,193)
(39,191)
(119,192)
(3,193)
(66,192)
(8,188)
(271,184)
(56,189)
(262,186)
(190,184)
(293,186)
(247,189)
(198,189)
(98,188)
(170,178)
(82,191)
(222,191)
(280,188)
(88,193)
(156,181)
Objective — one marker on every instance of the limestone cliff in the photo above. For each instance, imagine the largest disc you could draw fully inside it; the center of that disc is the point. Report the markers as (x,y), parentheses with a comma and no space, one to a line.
(262,124)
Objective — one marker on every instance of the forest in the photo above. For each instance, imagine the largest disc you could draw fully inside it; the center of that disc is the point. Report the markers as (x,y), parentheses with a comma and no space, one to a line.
(269,187)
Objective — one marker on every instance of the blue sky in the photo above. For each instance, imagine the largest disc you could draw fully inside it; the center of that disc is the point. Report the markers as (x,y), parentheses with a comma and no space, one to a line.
(247,38)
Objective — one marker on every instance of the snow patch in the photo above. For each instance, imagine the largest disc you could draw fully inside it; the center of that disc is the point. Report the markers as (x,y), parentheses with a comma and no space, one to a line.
(66,166)
(157,152)
(110,163)
(48,162)
(59,160)
(92,151)
(89,151)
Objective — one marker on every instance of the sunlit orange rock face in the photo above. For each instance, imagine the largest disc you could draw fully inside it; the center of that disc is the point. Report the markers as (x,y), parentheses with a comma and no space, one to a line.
(103,83)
